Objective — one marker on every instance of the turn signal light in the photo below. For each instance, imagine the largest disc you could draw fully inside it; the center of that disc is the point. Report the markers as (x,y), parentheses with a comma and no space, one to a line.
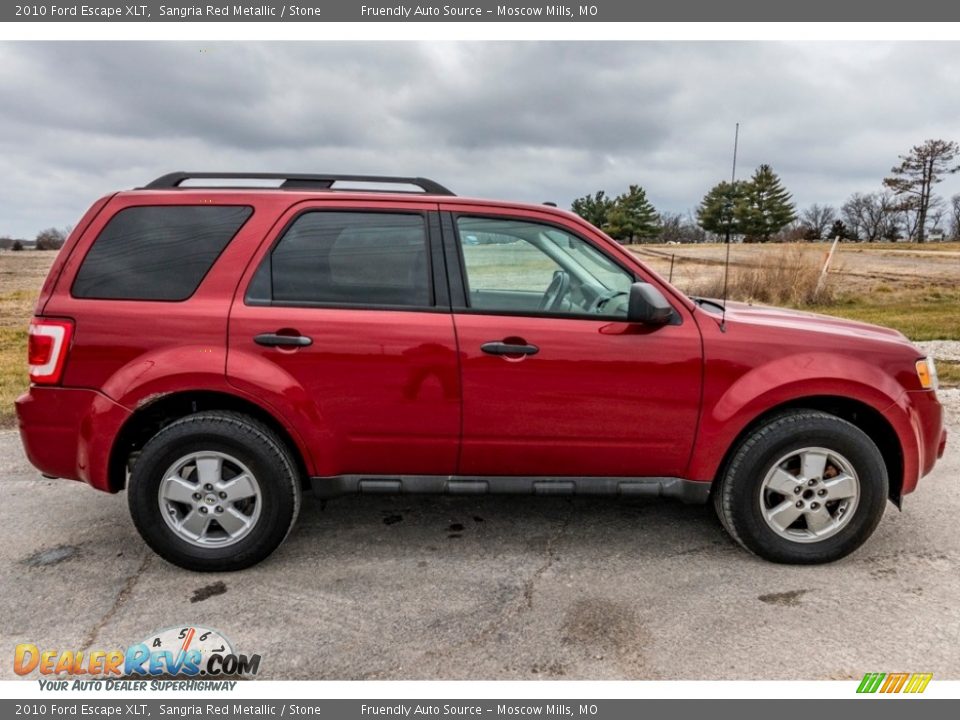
(927,373)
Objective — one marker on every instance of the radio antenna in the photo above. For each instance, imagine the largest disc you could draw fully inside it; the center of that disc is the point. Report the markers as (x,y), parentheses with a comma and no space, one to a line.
(730,209)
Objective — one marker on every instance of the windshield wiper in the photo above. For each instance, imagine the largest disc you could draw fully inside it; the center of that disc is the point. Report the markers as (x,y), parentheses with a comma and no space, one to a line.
(706,301)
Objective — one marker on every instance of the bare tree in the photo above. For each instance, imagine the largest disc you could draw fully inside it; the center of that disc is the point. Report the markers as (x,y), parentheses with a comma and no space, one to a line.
(871,216)
(936,216)
(907,217)
(51,239)
(919,170)
(676,228)
(818,219)
(955,217)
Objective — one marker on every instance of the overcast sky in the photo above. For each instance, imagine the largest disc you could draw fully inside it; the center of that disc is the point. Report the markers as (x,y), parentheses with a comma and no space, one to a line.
(526,121)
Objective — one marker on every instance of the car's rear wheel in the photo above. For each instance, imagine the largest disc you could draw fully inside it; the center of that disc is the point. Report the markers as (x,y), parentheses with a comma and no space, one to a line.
(805,487)
(214,491)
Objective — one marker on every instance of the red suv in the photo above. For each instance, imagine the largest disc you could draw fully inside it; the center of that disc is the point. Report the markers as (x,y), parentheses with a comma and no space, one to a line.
(216,349)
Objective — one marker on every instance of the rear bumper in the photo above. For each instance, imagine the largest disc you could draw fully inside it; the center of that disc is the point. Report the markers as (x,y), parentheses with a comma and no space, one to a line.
(68,432)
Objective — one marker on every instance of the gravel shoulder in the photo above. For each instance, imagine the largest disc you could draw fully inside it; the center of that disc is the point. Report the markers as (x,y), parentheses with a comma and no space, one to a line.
(941,349)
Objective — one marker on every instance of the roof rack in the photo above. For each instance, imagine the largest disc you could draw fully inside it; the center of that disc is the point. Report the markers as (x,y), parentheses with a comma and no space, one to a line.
(297,181)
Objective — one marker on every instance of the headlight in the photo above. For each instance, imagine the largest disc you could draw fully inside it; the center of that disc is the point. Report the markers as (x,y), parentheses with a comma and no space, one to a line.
(927,373)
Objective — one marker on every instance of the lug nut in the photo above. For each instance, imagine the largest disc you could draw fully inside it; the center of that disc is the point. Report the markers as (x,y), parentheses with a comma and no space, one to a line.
(799,503)
(208,486)
(197,496)
(223,496)
(796,490)
(814,505)
(812,482)
(219,509)
(203,511)
(821,493)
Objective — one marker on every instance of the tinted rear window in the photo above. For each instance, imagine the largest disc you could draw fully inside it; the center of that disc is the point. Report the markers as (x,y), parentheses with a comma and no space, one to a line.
(157,253)
(348,258)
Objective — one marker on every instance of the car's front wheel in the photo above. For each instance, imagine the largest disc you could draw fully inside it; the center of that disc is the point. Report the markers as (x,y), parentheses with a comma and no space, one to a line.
(214,491)
(805,487)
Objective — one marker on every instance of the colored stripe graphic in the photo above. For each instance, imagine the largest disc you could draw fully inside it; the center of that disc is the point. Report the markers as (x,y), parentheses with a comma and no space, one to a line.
(871,682)
(894,682)
(918,682)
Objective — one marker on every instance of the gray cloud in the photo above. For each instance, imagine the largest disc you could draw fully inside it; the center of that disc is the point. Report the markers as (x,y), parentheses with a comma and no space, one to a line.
(525,121)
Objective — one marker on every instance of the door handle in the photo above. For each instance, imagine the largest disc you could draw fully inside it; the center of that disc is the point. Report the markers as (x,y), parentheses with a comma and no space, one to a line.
(503,348)
(277,340)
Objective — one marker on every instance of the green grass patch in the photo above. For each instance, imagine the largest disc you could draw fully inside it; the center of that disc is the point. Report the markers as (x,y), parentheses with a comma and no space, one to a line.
(949,373)
(923,314)
(13,370)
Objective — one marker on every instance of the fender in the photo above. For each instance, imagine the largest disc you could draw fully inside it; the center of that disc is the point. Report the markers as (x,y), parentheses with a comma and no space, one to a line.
(254,376)
(761,389)
(148,378)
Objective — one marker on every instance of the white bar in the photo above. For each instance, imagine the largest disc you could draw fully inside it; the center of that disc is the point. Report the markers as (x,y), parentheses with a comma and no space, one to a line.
(467,690)
(313,31)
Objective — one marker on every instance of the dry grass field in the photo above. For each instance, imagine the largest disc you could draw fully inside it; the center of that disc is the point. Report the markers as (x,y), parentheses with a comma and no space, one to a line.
(915,289)
(21,275)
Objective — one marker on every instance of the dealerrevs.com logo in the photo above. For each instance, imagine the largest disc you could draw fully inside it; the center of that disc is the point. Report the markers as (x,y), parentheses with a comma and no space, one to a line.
(189,652)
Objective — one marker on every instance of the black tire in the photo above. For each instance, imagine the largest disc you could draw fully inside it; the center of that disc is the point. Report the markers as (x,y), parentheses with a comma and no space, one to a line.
(243,438)
(737,496)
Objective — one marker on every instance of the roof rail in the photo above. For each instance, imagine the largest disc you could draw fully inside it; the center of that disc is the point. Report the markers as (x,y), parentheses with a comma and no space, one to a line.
(297,181)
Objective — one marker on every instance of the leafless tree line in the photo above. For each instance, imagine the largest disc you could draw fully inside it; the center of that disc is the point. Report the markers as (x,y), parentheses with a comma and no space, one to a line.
(879,217)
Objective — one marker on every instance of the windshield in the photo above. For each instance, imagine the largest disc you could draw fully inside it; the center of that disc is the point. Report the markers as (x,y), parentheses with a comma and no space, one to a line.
(606,272)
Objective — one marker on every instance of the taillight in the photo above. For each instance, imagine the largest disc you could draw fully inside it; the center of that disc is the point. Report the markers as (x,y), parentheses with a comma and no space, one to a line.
(47,344)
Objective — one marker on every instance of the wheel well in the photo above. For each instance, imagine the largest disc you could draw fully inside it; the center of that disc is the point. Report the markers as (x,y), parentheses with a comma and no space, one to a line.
(148,420)
(853,411)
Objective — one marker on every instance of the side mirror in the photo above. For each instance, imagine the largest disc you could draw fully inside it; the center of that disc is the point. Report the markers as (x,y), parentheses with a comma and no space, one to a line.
(648,305)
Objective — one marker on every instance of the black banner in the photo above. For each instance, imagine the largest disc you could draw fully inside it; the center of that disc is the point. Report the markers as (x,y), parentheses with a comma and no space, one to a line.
(480,11)
(205,709)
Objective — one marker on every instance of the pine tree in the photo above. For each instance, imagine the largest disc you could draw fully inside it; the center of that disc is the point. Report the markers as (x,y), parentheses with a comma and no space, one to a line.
(722,208)
(840,230)
(913,179)
(593,208)
(769,207)
(633,217)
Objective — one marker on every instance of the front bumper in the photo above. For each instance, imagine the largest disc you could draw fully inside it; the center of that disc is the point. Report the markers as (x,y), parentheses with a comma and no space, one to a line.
(922,435)
(69,432)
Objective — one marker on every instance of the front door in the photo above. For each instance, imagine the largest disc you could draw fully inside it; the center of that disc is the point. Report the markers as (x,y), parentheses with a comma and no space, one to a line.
(555,381)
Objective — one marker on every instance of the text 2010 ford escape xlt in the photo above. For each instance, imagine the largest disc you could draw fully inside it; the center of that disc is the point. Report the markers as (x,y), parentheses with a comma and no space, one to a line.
(217,350)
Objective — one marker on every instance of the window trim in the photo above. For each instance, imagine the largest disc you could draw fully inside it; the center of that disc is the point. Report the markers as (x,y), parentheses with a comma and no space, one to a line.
(462,305)
(213,263)
(429,231)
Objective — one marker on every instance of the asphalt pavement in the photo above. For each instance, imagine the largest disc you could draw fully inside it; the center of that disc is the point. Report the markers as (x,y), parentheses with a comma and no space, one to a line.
(494,588)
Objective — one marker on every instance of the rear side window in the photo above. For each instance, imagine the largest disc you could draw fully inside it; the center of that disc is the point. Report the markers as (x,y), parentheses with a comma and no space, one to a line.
(160,252)
(348,258)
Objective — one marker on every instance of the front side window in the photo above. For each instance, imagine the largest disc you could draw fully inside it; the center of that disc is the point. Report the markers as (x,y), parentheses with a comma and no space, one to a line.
(348,258)
(161,252)
(526,267)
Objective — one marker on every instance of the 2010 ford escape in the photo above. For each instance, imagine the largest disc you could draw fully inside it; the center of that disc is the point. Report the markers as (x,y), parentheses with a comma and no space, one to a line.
(215,350)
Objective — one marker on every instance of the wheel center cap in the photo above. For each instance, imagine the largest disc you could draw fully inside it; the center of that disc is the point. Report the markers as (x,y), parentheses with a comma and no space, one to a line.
(210,499)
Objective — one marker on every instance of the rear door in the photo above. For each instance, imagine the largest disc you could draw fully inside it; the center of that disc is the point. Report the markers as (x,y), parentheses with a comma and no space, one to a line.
(555,381)
(345,306)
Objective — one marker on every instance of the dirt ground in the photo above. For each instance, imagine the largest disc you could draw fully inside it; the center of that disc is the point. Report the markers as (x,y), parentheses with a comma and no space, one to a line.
(526,588)
(858,267)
